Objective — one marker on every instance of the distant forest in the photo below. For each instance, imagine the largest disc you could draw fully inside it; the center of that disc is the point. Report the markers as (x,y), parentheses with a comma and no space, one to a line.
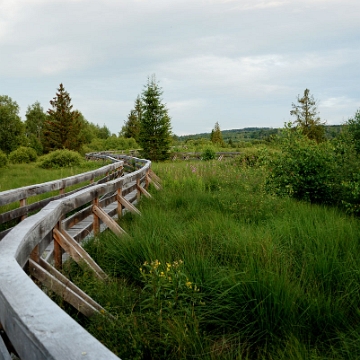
(254,133)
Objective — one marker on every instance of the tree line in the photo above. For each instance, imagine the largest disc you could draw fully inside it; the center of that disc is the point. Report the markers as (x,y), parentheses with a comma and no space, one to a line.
(60,127)
(63,127)
(148,126)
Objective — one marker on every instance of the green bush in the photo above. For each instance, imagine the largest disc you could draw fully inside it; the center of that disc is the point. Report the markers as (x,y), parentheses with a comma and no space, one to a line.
(3,159)
(60,158)
(208,154)
(23,155)
(254,156)
(304,170)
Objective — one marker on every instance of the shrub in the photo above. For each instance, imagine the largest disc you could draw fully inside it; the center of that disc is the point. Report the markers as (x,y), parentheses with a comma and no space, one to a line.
(23,155)
(60,158)
(304,170)
(208,154)
(254,156)
(3,159)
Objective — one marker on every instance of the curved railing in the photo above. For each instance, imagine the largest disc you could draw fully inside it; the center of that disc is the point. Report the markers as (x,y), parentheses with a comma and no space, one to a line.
(36,327)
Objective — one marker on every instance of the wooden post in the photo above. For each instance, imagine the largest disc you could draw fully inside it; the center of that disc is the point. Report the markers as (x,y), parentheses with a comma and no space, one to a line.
(147,181)
(109,221)
(57,251)
(96,221)
(23,203)
(138,190)
(35,255)
(119,205)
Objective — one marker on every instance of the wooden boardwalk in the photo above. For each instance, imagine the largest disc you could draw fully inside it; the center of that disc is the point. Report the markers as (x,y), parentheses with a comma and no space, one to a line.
(36,248)
(83,230)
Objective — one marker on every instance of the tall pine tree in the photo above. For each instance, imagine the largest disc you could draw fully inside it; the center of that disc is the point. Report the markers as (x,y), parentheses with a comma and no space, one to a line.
(155,125)
(62,129)
(306,117)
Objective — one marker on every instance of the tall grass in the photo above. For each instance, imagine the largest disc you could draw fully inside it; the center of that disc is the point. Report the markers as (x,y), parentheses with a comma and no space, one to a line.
(215,268)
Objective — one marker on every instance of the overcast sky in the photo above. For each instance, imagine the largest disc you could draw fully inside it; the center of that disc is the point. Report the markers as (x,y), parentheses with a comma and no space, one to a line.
(241,63)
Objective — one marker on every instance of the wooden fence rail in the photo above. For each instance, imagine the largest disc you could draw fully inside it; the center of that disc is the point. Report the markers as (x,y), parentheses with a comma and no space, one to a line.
(22,195)
(35,326)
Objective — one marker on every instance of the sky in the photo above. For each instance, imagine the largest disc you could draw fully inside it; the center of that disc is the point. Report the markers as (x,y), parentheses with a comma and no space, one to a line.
(241,63)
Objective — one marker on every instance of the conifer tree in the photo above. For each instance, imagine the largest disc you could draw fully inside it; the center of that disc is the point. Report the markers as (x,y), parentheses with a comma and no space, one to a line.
(306,117)
(62,128)
(131,128)
(216,136)
(155,125)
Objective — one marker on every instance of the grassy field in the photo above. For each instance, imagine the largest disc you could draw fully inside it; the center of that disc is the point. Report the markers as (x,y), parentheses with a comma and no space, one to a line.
(17,175)
(215,268)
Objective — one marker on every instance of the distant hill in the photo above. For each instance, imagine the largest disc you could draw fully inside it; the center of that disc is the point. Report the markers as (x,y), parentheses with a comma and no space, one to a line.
(254,133)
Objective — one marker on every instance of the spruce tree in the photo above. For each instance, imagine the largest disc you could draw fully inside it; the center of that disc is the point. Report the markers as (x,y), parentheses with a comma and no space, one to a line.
(155,125)
(306,117)
(131,128)
(216,136)
(62,128)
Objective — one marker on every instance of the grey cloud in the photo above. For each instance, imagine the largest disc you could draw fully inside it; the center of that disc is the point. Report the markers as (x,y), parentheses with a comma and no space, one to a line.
(239,63)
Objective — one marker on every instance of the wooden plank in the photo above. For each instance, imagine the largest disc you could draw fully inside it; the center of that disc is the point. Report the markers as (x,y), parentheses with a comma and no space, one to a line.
(96,221)
(77,253)
(61,289)
(128,205)
(109,221)
(57,252)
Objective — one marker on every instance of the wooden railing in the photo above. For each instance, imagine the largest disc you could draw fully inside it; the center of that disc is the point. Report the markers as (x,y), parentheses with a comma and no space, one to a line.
(22,195)
(35,326)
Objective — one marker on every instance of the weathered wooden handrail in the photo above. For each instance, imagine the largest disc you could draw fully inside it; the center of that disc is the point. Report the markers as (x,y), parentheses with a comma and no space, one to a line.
(35,325)
(24,193)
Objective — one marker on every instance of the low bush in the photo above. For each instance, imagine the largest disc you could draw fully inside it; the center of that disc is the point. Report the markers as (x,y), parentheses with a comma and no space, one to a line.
(208,154)
(303,170)
(23,155)
(325,173)
(60,158)
(3,159)
(255,156)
